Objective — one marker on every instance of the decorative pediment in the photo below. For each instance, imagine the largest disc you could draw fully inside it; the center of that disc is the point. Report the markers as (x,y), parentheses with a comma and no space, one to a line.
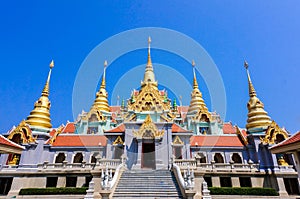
(177,141)
(148,130)
(94,116)
(149,99)
(203,116)
(118,141)
(274,134)
(21,134)
(58,131)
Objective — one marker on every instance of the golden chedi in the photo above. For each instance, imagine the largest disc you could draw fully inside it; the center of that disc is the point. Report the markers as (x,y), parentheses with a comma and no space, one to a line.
(257,116)
(40,116)
(101,101)
(197,103)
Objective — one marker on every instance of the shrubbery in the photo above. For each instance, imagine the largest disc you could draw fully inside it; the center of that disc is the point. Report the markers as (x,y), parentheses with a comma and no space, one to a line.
(243,191)
(53,191)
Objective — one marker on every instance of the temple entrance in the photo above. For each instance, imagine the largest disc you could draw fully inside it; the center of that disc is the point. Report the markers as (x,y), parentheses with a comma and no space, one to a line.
(148,155)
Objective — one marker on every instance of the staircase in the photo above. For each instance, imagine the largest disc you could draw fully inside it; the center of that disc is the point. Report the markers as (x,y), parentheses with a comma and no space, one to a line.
(147,184)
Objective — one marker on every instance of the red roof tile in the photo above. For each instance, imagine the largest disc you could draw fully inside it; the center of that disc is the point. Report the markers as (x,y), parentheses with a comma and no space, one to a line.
(215,141)
(115,109)
(70,128)
(118,129)
(52,132)
(178,129)
(228,128)
(291,140)
(244,132)
(80,140)
(7,142)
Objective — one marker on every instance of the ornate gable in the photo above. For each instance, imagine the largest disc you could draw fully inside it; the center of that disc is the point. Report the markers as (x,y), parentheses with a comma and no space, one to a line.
(94,116)
(178,141)
(274,134)
(21,134)
(149,99)
(148,130)
(202,115)
(118,141)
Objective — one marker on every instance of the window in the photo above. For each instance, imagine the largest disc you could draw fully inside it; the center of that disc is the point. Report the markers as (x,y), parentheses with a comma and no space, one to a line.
(245,182)
(218,158)
(236,158)
(51,182)
(60,158)
(203,130)
(93,159)
(71,181)
(92,130)
(78,158)
(225,182)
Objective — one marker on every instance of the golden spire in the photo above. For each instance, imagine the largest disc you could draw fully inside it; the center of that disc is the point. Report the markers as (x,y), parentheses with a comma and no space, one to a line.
(252,91)
(195,83)
(103,83)
(101,101)
(257,116)
(197,103)
(149,62)
(149,76)
(40,116)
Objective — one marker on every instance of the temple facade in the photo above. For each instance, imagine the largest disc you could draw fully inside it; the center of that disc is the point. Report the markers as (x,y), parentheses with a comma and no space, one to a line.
(147,132)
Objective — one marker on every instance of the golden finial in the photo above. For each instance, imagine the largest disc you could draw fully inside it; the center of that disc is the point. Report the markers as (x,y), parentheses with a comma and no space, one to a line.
(193,63)
(149,76)
(104,72)
(149,62)
(51,64)
(195,84)
(246,64)
(252,91)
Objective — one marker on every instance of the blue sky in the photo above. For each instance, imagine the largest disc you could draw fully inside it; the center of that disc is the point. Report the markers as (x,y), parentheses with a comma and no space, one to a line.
(265,33)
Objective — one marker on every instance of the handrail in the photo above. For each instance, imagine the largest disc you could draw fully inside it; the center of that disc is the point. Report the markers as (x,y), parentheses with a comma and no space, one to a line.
(116,176)
(179,178)
(193,164)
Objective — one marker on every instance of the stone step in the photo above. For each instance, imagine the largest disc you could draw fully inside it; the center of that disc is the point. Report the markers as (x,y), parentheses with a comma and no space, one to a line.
(157,194)
(147,188)
(147,184)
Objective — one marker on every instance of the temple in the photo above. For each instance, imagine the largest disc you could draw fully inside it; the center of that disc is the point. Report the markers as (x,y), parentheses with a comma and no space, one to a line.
(148,135)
